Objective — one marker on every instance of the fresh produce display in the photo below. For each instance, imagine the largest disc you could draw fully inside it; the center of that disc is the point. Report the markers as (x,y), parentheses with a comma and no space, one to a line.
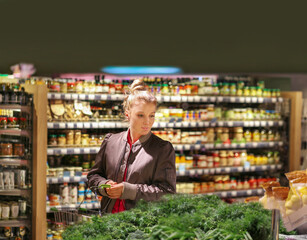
(180,217)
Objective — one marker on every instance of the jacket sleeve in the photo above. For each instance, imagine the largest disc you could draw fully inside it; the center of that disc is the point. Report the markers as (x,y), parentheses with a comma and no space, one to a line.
(97,174)
(164,180)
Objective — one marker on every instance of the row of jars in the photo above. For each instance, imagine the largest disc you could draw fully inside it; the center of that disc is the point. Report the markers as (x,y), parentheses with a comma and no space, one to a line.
(72,193)
(210,112)
(13,122)
(221,183)
(12,149)
(16,233)
(74,138)
(219,135)
(85,161)
(13,178)
(225,158)
(13,209)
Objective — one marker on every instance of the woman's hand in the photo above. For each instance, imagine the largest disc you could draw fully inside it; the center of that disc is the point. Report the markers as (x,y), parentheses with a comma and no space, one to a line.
(116,190)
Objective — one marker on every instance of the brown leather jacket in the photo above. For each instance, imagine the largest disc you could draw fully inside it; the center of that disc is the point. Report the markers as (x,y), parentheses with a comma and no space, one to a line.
(151,170)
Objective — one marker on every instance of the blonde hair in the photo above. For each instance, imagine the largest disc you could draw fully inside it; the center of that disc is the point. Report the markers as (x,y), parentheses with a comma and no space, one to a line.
(138,91)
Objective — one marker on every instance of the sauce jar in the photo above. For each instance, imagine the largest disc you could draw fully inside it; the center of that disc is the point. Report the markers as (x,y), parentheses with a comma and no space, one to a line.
(85,139)
(19,149)
(12,122)
(77,138)
(63,85)
(238,134)
(52,140)
(3,122)
(263,135)
(71,86)
(6,149)
(248,135)
(93,140)
(61,139)
(223,158)
(70,137)
(256,135)
(22,123)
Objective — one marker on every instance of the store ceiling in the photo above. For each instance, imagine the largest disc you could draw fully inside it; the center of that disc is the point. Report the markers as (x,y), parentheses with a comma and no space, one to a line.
(74,36)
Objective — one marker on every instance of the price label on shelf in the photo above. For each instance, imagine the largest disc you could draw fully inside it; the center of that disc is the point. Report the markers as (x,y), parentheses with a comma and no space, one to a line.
(67,96)
(271,144)
(227,169)
(192,172)
(253,168)
(95,125)
(255,144)
(206,124)
(103,97)
(257,123)
(187,147)
(185,124)
(271,123)
(234,193)
(79,125)
(91,96)
(254,99)
(220,99)
(206,171)
(242,145)
(230,124)
(200,171)
(251,123)
(82,96)
(232,99)
(240,169)
(241,99)
(86,125)
(218,170)
(175,98)
(264,167)
(218,145)
(86,150)
(179,147)
(193,124)
(166,98)
(223,194)
(212,99)
(280,123)
(62,125)
(70,125)
(195,99)
(259,191)
(263,123)
(202,99)
(248,99)
(246,123)
(177,124)
(50,125)
(197,146)
(111,124)
(274,100)
(162,124)
(184,98)
(260,100)
(74,96)
(63,151)
(53,180)
(249,192)
(57,96)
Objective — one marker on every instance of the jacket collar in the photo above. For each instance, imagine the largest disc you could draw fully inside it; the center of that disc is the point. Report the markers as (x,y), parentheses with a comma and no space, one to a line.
(141,140)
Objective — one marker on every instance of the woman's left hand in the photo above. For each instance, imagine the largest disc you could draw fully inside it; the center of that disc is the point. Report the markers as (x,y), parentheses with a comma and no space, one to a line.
(115,191)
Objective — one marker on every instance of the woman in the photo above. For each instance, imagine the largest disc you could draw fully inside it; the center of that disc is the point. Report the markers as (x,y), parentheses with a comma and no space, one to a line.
(136,163)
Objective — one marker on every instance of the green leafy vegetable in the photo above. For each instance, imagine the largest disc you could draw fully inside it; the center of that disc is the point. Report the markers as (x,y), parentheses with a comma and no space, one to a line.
(180,217)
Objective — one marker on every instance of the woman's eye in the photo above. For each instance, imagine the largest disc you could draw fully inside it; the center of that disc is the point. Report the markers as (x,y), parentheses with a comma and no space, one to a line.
(140,115)
(152,116)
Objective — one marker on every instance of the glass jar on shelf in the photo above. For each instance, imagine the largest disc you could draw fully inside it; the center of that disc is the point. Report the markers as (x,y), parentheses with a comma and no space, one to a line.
(6,149)
(246,91)
(63,85)
(61,139)
(232,89)
(256,135)
(70,137)
(52,140)
(3,122)
(79,86)
(71,86)
(85,139)
(253,91)
(238,135)
(77,137)
(263,136)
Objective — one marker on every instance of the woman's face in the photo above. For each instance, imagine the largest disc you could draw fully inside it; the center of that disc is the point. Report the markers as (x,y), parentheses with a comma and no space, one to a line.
(141,117)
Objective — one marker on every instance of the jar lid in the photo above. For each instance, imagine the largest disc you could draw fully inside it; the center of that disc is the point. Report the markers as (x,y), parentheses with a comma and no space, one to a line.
(62,135)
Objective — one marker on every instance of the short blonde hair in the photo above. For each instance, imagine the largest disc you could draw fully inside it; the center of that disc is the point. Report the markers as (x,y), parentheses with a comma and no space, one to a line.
(138,91)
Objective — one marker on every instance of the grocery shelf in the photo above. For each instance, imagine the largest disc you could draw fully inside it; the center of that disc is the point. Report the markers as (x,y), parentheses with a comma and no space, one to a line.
(177,147)
(85,150)
(22,108)
(205,146)
(93,205)
(238,193)
(13,161)
(227,170)
(173,124)
(15,223)
(74,179)
(16,132)
(120,97)
(15,192)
